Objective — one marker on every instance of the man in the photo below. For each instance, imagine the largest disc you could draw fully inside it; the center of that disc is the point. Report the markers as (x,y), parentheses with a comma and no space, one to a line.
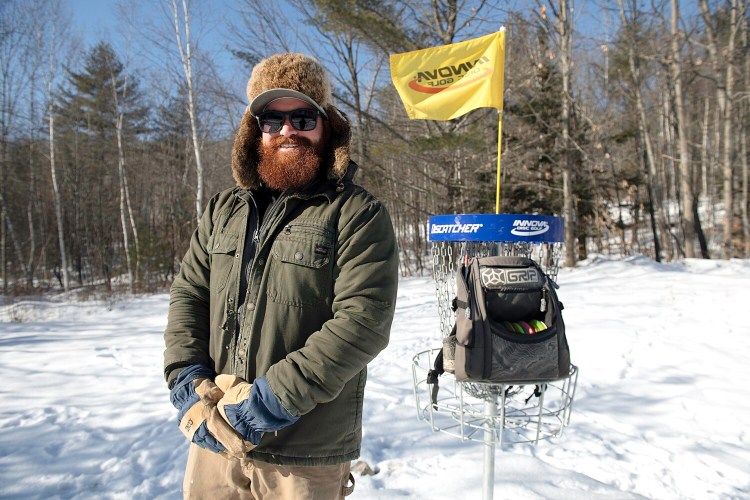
(286,293)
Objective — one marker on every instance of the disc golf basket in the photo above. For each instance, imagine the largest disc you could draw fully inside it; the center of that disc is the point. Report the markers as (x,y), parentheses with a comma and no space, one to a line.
(493,413)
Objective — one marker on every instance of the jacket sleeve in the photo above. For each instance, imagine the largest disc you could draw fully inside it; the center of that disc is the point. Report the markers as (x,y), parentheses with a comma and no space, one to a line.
(366,282)
(188,323)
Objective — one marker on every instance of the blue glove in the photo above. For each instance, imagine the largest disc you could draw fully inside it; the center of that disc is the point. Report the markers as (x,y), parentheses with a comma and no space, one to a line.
(252,409)
(183,397)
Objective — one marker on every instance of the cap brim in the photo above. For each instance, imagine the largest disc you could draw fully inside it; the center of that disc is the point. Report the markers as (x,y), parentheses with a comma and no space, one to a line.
(265,98)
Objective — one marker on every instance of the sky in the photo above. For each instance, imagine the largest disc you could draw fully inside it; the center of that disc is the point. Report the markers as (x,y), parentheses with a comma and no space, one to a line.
(94,16)
(97,20)
(661,408)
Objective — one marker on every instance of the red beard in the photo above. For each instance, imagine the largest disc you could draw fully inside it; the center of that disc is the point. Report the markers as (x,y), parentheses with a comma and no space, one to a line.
(291,169)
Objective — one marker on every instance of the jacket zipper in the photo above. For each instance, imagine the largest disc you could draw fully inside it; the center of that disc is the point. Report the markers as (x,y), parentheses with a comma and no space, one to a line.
(263,229)
(270,214)
(259,227)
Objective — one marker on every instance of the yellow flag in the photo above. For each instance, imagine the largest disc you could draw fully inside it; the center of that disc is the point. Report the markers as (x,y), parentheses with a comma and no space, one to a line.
(444,82)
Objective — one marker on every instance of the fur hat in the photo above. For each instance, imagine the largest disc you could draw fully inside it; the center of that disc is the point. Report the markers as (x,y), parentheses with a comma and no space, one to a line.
(288,75)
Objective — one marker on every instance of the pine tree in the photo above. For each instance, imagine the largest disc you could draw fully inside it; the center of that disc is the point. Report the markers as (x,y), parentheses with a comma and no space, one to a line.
(97,100)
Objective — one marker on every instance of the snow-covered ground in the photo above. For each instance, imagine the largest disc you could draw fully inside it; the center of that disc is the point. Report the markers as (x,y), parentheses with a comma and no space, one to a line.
(662,408)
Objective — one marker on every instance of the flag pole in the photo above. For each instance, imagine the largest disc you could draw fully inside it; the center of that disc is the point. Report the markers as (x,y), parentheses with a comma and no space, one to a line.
(490,405)
(499,156)
(500,132)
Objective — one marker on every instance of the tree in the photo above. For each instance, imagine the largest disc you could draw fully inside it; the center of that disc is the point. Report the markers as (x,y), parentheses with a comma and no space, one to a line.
(722,63)
(184,46)
(687,197)
(564,30)
(630,27)
(15,30)
(103,105)
(52,39)
(126,210)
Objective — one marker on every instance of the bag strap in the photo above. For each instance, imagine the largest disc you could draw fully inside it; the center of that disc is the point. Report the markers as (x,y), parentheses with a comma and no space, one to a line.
(538,389)
(432,378)
(438,368)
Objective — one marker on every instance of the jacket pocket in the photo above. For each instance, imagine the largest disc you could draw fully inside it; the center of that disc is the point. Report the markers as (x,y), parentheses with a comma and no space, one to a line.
(301,266)
(223,252)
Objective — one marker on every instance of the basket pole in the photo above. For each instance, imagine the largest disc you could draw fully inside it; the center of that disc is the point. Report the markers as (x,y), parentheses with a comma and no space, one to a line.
(490,415)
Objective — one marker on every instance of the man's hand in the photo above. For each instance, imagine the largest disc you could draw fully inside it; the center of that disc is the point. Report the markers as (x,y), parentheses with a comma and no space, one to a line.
(252,409)
(191,413)
(196,396)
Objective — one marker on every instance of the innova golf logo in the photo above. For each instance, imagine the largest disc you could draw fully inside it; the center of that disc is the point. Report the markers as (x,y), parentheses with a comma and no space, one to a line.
(529,227)
(451,76)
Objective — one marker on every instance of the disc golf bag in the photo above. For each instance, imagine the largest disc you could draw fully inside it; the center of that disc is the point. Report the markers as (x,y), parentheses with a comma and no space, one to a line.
(509,325)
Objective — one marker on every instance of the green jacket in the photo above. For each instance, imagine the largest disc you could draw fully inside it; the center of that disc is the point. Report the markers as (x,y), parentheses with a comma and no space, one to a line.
(319,306)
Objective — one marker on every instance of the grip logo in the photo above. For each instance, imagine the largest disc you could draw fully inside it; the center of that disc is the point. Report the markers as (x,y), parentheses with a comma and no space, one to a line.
(494,278)
(529,227)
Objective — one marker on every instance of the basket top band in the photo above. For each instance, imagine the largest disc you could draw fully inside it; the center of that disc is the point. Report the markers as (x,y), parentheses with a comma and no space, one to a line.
(510,228)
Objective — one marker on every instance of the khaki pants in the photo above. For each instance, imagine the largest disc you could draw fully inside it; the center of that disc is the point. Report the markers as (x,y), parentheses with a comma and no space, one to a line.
(212,476)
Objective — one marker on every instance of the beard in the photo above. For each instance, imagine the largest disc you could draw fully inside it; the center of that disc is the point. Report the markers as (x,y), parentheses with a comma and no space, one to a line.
(292,169)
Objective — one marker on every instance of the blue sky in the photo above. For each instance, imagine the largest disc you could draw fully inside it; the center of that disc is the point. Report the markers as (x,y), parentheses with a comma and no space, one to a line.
(97,20)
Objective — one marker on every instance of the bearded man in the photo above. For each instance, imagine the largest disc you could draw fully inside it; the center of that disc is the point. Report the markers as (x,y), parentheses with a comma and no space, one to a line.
(286,293)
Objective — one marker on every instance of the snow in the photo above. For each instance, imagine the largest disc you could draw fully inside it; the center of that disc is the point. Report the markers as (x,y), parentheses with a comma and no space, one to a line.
(662,408)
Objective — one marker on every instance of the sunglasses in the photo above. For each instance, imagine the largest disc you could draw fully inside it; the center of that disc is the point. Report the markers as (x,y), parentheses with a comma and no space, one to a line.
(304,120)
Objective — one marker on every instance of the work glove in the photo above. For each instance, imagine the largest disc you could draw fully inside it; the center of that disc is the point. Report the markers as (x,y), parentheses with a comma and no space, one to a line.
(252,409)
(195,396)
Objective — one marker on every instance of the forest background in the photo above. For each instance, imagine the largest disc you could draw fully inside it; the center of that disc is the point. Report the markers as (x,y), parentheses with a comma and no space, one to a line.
(629,118)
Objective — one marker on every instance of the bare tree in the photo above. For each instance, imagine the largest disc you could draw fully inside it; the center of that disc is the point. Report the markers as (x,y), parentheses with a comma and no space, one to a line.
(686,187)
(563,29)
(722,62)
(15,76)
(346,54)
(260,26)
(743,137)
(125,207)
(654,183)
(54,69)
(182,37)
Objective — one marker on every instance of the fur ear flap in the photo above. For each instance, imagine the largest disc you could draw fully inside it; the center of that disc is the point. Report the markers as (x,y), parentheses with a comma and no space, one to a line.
(341,132)
(245,153)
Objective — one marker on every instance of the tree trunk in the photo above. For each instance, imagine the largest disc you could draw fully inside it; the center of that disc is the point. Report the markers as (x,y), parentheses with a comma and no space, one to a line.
(3,253)
(651,173)
(136,242)
(743,139)
(706,160)
(745,201)
(686,189)
(32,189)
(724,88)
(58,197)
(10,231)
(565,32)
(124,196)
(123,217)
(186,58)
(728,157)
